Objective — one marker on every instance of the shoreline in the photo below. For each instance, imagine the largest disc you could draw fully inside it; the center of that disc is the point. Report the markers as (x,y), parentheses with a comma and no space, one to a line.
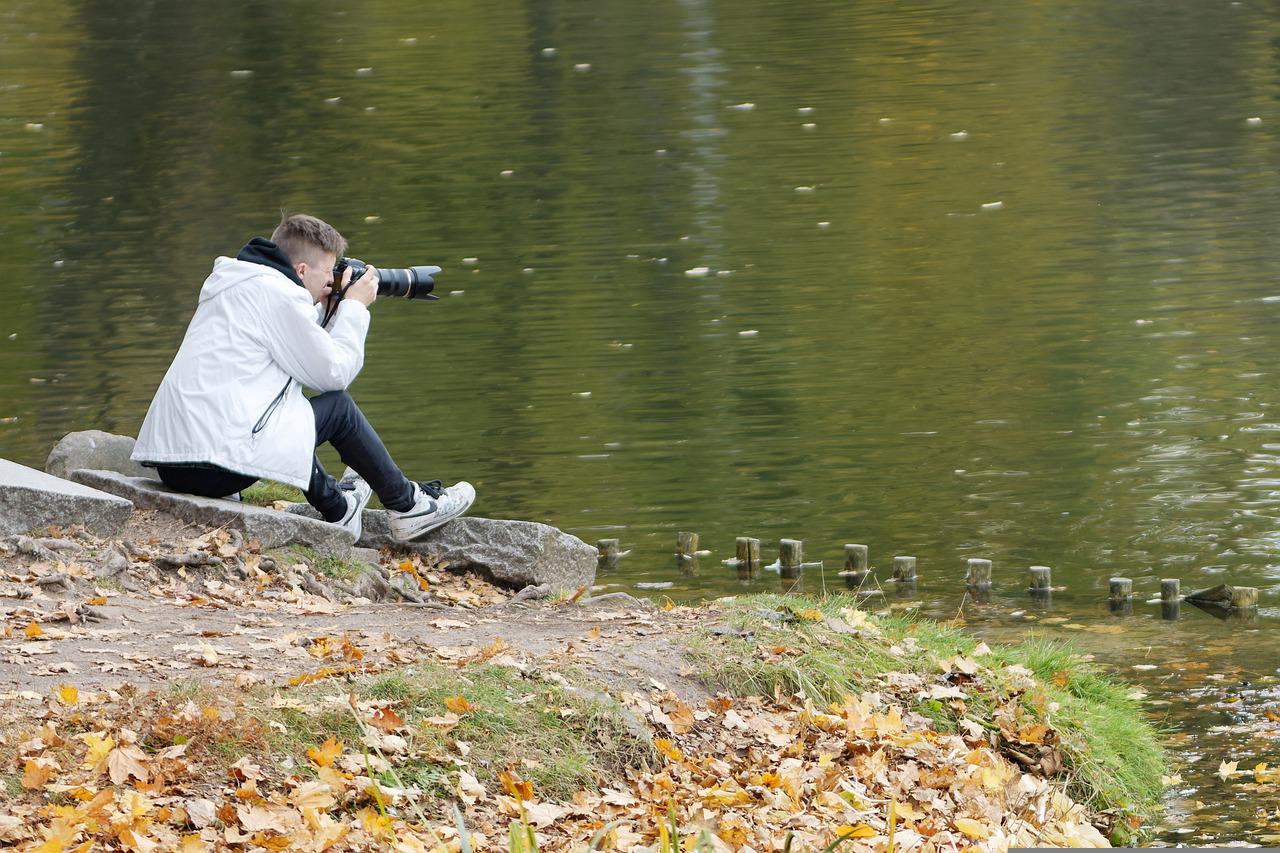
(745,721)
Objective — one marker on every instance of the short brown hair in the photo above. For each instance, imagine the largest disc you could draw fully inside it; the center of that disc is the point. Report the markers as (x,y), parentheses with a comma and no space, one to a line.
(301,235)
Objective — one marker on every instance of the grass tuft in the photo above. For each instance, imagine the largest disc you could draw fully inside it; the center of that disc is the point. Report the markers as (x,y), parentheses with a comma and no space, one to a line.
(267,492)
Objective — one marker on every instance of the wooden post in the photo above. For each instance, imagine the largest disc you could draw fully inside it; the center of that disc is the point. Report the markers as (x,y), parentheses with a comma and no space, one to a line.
(904,569)
(1041,580)
(855,572)
(608,550)
(1121,596)
(1244,597)
(978,575)
(686,543)
(790,556)
(1170,589)
(748,553)
(1170,610)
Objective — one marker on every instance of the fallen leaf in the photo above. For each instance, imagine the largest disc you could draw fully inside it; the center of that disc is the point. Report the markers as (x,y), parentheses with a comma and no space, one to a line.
(972,828)
(33,630)
(1227,769)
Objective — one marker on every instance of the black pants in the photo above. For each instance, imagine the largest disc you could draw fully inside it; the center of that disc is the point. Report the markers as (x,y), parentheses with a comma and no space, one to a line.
(340,422)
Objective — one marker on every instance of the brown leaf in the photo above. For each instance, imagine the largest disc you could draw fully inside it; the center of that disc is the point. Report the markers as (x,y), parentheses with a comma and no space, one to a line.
(126,761)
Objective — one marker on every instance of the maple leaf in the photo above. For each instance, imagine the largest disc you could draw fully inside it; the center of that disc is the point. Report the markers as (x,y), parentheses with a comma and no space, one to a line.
(312,795)
(67,694)
(99,745)
(519,788)
(126,761)
(33,630)
(459,705)
(387,720)
(862,830)
(193,843)
(1227,769)
(36,772)
(328,751)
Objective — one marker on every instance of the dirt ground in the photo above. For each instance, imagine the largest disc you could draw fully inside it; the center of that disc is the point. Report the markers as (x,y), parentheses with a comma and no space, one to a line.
(146,626)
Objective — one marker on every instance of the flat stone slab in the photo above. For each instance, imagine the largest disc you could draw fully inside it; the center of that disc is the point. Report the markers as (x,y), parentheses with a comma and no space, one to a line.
(31,499)
(271,527)
(513,553)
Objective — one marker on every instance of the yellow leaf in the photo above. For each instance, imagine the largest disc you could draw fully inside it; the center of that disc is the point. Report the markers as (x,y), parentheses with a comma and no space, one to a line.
(1227,769)
(36,772)
(812,614)
(972,828)
(62,833)
(99,746)
(862,830)
(459,705)
(98,601)
(193,843)
(33,630)
(68,695)
(328,751)
(908,811)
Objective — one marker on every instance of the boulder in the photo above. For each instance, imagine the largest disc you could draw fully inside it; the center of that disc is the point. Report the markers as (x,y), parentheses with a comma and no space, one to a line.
(94,449)
(31,499)
(513,553)
(271,527)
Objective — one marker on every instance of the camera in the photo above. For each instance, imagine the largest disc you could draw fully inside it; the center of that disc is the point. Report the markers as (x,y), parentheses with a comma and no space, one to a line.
(408,282)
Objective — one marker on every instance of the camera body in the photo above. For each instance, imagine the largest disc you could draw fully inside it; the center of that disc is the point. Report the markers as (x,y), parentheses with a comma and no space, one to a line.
(406,282)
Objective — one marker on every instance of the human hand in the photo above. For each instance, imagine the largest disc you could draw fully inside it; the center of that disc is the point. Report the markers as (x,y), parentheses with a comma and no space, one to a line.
(365,289)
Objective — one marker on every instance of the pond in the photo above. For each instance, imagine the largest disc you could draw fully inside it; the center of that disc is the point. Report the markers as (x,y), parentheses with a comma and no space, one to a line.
(952,280)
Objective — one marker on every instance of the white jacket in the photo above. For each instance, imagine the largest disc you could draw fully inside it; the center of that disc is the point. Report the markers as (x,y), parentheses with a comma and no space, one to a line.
(233,395)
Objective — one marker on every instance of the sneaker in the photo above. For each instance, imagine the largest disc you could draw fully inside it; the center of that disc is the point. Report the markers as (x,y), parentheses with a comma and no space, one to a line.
(356,492)
(432,507)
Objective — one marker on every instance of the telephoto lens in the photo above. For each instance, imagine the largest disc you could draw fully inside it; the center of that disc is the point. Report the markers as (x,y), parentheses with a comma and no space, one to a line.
(409,282)
(406,282)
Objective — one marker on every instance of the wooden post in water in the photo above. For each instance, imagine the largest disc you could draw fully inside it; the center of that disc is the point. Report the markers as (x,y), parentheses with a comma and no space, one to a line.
(1244,598)
(904,575)
(855,572)
(1170,598)
(686,543)
(748,552)
(790,556)
(1121,596)
(978,574)
(1041,580)
(608,550)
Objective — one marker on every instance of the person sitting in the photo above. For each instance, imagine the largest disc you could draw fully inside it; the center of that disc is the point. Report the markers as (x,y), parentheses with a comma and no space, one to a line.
(230,409)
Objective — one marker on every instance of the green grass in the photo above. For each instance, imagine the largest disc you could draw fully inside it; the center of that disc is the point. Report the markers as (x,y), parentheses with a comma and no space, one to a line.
(326,564)
(559,739)
(1112,755)
(266,492)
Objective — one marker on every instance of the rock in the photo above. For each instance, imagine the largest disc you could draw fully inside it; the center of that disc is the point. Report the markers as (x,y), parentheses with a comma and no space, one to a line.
(514,554)
(31,499)
(271,527)
(101,451)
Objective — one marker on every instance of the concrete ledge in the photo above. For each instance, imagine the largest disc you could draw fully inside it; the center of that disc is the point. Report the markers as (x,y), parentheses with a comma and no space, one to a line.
(513,553)
(31,499)
(269,526)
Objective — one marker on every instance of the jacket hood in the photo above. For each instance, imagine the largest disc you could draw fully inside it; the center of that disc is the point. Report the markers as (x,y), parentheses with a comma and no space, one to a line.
(257,253)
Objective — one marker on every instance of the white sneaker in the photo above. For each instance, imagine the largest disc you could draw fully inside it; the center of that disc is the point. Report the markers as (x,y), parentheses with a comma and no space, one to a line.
(432,507)
(357,492)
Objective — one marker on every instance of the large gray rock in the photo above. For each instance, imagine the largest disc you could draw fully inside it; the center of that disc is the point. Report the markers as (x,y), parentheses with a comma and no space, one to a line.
(31,499)
(272,527)
(93,448)
(512,553)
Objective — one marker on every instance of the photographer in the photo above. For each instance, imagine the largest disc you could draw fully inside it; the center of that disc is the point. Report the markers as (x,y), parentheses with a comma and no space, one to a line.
(231,411)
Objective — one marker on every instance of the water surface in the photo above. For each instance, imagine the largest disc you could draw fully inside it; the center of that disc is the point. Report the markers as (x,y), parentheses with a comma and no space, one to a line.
(965,280)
